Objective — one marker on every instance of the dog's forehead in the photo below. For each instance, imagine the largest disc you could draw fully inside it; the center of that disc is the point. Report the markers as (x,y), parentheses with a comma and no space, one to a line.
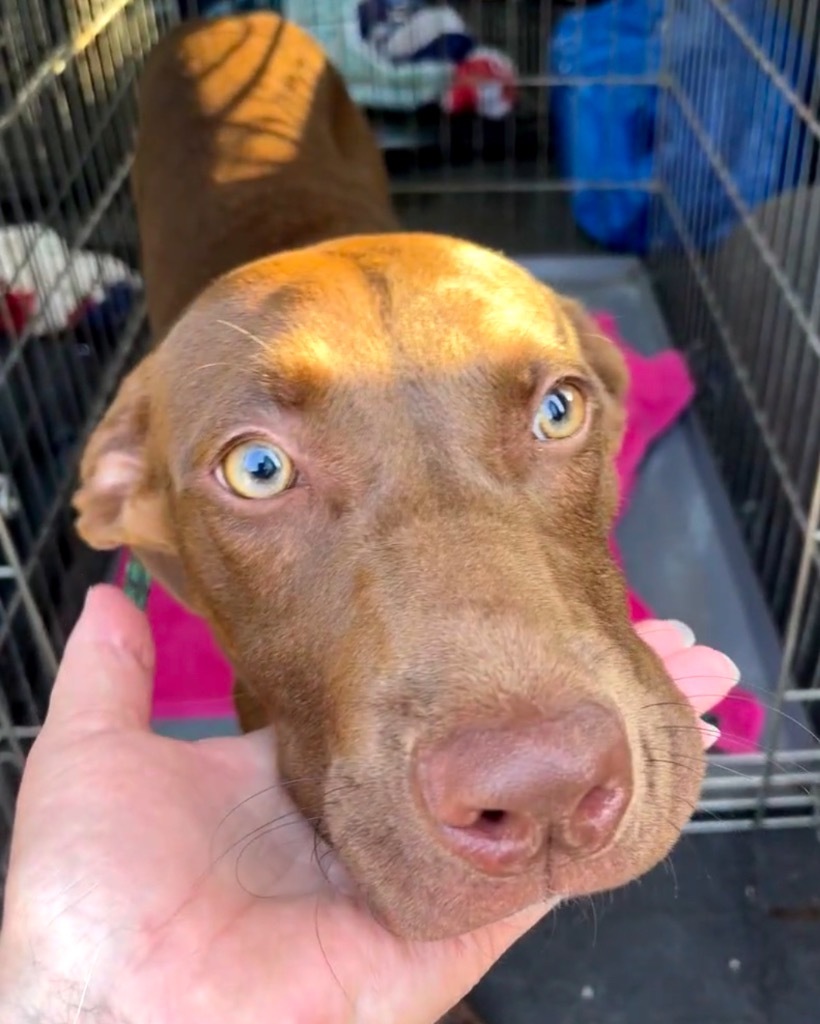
(354,329)
(372,306)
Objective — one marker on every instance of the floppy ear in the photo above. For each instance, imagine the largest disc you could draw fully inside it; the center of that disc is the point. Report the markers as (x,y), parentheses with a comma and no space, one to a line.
(609,366)
(121,499)
(118,502)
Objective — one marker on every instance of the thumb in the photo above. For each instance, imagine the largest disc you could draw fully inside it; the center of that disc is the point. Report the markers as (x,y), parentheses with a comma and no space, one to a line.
(105,679)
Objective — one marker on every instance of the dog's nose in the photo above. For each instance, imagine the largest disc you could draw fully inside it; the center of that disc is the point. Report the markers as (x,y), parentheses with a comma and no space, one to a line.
(505,796)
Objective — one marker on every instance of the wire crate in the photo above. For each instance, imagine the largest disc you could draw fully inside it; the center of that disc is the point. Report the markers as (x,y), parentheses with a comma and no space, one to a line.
(66,128)
(746,312)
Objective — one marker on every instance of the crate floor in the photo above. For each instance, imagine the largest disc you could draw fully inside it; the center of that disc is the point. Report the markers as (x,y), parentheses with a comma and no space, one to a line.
(727,932)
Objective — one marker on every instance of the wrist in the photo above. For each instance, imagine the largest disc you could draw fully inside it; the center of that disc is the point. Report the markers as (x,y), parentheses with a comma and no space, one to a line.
(29,994)
(20,1003)
(23,995)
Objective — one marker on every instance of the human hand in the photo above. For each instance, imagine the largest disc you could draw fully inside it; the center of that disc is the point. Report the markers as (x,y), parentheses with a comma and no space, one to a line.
(157,880)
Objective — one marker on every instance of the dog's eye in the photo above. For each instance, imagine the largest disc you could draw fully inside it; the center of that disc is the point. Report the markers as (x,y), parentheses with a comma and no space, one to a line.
(561,414)
(256,469)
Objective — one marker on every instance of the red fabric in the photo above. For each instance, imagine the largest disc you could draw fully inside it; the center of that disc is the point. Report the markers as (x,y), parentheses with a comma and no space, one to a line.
(20,306)
(194,680)
(483,71)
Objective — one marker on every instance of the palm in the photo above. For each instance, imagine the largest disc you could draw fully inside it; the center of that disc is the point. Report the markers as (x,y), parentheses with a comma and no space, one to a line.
(184,861)
(180,877)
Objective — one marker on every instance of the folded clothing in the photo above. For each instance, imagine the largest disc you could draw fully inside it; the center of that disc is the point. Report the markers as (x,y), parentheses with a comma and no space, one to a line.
(405,54)
(46,287)
(414,31)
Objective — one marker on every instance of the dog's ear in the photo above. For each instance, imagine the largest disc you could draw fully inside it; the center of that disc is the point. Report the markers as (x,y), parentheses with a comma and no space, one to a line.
(119,501)
(606,361)
(122,499)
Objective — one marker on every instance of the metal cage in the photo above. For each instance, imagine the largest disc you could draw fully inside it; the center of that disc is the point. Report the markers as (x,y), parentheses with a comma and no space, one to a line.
(746,313)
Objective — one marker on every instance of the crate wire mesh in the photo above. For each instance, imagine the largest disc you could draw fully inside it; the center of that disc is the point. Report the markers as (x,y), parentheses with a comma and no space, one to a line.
(746,314)
(66,126)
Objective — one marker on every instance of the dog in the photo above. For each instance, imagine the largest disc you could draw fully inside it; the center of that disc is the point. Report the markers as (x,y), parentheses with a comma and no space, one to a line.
(380,465)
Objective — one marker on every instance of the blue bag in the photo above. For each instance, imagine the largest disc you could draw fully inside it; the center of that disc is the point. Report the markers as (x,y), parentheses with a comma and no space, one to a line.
(605,132)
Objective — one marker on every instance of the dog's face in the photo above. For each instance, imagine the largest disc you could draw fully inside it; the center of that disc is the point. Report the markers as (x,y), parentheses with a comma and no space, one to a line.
(382,469)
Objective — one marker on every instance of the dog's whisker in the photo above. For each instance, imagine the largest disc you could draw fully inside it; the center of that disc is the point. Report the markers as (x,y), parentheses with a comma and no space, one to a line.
(676,764)
(292,817)
(279,784)
(243,331)
(669,865)
(703,677)
(275,825)
(594,910)
(210,366)
(723,767)
(326,958)
(691,809)
(274,787)
(323,857)
(319,857)
(780,765)
(770,708)
(243,803)
(289,818)
(249,841)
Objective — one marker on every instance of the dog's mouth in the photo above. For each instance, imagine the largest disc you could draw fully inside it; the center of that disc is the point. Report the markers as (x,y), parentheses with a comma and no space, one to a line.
(421,884)
(446,824)
(421,896)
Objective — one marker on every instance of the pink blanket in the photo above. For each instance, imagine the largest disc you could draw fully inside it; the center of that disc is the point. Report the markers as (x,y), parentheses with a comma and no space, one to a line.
(660,390)
(194,680)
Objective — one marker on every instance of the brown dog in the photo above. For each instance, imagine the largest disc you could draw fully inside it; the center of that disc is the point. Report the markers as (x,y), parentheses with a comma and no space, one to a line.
(380,466)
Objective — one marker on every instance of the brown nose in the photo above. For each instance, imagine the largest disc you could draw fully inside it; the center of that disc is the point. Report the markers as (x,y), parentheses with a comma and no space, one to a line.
(501,797)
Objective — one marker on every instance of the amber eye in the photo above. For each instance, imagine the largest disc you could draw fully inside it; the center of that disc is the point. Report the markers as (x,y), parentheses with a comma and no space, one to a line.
(256,469)
(561,414)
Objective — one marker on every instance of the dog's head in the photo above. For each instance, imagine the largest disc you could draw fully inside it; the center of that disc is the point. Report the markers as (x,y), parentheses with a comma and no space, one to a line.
(382,469)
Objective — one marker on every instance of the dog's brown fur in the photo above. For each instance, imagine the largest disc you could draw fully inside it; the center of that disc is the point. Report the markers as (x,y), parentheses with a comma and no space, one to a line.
(435,564)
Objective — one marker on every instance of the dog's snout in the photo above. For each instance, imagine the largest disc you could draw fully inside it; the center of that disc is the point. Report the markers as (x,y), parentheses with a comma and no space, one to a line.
(504,797)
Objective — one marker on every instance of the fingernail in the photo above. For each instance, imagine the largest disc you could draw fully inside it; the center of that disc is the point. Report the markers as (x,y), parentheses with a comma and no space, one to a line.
(734,671)
(711,733)
(140,651)
(685,632)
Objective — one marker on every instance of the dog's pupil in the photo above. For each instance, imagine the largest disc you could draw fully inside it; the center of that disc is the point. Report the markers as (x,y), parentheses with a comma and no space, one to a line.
(261,464)
(557,407)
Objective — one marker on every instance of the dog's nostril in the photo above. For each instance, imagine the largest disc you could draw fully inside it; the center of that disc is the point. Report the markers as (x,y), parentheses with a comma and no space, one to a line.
(500,796)
(494,841)
(492,817)
(492,823)
(597,813)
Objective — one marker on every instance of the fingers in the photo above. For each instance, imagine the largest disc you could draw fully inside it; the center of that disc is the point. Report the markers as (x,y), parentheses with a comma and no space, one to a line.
(105,680)
(703,675)
(665,637)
